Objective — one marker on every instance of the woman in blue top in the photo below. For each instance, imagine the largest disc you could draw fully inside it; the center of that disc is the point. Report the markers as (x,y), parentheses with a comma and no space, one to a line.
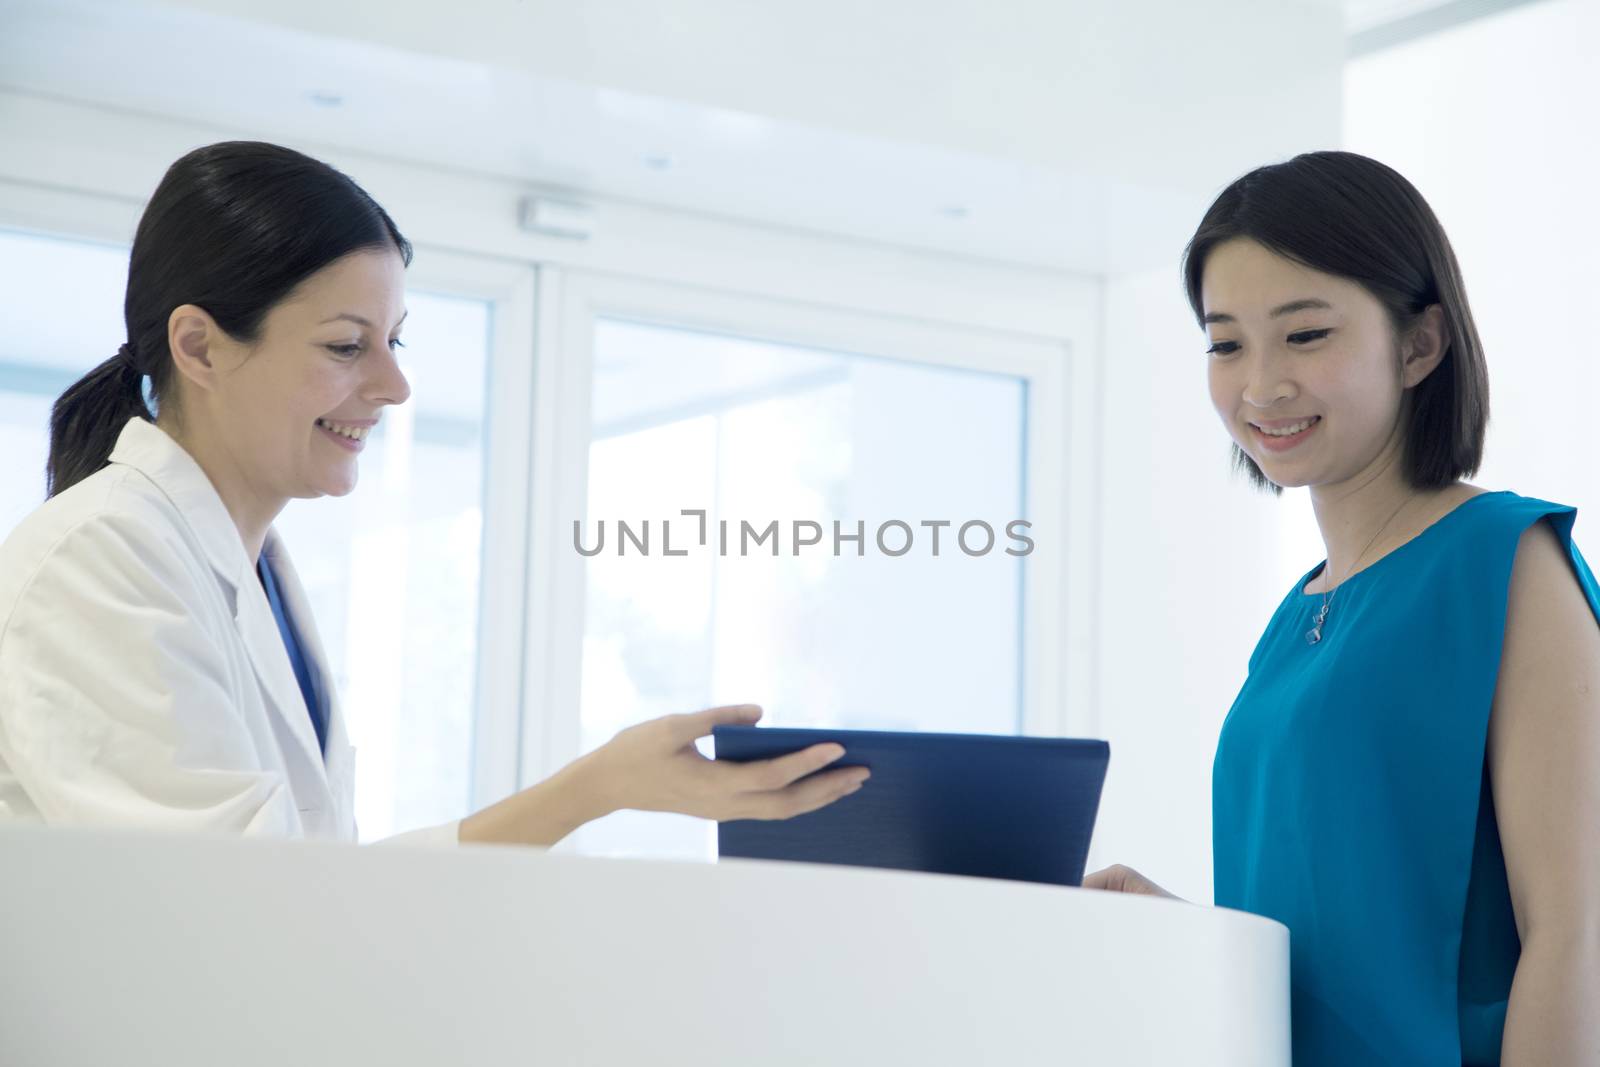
(1409,779)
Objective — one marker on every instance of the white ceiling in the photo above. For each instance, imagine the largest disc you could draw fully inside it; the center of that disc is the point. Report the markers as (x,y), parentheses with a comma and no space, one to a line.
(1362,15)
(1084,136)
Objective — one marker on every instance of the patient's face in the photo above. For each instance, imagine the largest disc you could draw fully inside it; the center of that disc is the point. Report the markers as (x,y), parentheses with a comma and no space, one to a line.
(1313,394)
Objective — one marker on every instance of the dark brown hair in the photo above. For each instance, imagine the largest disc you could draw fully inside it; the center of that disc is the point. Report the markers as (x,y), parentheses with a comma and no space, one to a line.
(1344,214)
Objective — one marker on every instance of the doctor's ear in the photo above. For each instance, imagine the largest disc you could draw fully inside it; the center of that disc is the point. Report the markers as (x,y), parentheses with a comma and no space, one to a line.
(1424,346)
(194,338)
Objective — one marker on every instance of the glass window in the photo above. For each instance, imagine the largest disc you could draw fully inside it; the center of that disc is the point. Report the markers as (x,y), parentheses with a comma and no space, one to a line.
(868,633)
(61,302)
(392,570)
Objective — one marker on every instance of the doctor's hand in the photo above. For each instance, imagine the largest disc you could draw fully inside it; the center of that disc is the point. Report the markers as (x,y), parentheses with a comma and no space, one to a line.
(1120,879)
(655,766)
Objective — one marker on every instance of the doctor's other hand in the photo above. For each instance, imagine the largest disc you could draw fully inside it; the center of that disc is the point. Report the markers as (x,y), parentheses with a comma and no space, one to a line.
(1119,879)
(655,766)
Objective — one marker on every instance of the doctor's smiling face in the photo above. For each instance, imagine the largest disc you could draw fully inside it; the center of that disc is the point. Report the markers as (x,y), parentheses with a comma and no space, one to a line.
(1306,368)
(287,415)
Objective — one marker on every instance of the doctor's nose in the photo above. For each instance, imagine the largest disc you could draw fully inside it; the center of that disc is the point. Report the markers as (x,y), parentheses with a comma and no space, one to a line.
(388,384)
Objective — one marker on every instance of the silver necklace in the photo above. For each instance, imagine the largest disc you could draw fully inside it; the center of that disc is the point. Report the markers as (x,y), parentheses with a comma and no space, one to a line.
(1314,634)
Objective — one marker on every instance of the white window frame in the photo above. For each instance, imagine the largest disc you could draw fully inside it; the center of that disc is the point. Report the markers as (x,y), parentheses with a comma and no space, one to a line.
(571,302)
(510,289)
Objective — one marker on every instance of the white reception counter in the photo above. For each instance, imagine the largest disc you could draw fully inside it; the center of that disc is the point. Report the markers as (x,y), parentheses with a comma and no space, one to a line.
(128,949)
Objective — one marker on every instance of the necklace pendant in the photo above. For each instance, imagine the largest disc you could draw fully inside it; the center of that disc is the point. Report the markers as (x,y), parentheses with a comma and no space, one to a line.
(1314,634)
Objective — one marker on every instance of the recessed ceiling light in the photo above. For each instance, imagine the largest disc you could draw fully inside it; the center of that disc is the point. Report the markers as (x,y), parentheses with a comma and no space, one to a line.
(325,98)
(658,161)
(953,211)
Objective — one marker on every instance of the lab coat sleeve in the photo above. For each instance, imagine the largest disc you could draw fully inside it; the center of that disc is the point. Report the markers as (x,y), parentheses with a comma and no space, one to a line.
(115,698)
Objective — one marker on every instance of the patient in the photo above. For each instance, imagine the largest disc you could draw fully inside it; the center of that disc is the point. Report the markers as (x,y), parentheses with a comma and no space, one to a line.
(1409,779)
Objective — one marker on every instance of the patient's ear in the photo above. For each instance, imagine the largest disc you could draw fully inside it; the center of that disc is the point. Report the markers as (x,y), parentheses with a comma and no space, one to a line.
(1424,346)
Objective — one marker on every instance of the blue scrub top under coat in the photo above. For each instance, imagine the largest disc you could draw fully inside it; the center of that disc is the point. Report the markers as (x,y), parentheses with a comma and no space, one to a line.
(1351,796)
(303,672)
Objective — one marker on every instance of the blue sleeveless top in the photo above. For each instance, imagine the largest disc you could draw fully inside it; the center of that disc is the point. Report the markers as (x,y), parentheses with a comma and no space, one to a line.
(1351,796)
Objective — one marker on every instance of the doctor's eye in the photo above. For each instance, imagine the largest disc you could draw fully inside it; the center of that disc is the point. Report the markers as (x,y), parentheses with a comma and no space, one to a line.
(1307,336)
(1222,348)
(344,351)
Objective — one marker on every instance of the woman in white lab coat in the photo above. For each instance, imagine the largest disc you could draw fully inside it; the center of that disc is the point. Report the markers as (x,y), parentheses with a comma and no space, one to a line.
(159,666)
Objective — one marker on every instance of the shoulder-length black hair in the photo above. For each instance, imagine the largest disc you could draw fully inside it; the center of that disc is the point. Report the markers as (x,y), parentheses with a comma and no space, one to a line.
(232,228)
(1344,214)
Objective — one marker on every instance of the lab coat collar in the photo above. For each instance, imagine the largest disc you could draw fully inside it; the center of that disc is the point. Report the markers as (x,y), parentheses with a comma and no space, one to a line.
(147,448)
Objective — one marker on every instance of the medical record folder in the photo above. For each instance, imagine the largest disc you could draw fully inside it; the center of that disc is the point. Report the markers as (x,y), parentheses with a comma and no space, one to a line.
(992,806)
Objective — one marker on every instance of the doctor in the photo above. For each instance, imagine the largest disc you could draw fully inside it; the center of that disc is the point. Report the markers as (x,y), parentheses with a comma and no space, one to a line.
(159,666)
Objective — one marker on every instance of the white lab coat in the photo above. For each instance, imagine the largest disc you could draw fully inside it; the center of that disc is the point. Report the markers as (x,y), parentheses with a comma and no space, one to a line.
(143,680)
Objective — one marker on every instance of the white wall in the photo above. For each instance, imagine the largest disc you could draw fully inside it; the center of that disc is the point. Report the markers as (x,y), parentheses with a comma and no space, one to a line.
(1495,123)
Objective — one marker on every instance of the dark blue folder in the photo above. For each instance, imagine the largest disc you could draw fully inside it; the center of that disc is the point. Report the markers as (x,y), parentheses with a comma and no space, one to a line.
(976,804)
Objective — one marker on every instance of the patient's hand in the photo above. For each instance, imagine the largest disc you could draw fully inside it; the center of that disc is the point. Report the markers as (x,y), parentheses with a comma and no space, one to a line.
(1119,879)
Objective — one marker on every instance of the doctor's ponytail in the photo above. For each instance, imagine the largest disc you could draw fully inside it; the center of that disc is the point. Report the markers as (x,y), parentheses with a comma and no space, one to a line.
(87,418)
(233,228)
